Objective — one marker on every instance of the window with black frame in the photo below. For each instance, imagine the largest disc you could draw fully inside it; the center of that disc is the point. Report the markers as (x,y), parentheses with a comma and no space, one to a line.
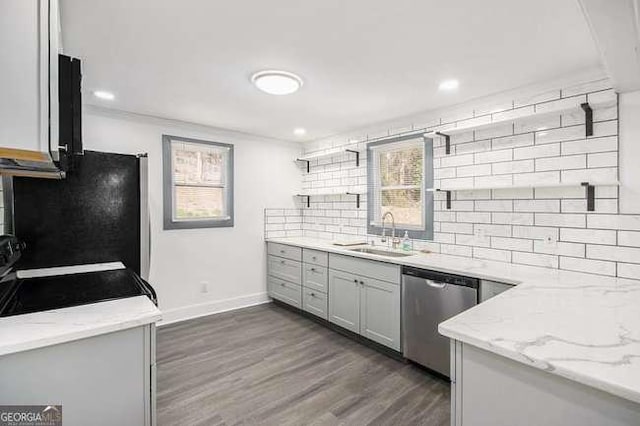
(399,175)
(198,183)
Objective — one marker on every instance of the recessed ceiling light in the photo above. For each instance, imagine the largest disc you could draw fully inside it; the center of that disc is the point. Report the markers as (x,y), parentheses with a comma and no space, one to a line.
(104,95)
(299,131)
(277,82)
(449,85)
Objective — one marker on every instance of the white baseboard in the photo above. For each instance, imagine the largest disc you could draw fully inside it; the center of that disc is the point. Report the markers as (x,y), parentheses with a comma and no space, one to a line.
(184,313)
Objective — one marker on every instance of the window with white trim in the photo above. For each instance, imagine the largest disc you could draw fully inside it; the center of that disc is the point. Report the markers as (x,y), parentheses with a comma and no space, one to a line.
(198,183)
(399,171)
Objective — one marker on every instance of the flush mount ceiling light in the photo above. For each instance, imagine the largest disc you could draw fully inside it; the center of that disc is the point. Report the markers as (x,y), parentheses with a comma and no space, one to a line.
(104,95)
(277,82)
(299,131)
(449,85)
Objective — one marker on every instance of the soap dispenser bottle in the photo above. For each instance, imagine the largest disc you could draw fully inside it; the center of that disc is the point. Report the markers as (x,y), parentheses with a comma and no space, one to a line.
(406,242)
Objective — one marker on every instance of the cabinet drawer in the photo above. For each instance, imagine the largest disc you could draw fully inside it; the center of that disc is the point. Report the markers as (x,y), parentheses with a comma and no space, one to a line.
(366,268)
(315,277)
(489,289)
(285,269)
(316,257)
(315,303)
(285,291)
(282,250)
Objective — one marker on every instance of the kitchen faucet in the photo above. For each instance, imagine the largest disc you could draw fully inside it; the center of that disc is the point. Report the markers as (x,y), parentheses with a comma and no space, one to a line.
(395,241)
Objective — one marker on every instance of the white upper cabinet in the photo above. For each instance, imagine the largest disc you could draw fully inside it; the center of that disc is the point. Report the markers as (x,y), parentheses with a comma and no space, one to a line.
(29,37)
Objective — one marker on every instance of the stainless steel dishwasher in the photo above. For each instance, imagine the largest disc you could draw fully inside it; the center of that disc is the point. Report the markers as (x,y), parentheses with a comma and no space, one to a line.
(428,298)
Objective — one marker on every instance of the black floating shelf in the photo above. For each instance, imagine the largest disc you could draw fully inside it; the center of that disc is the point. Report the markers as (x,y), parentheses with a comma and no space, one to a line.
(305,161)
(357,153)
(308,197)
(590,194)
(357,198)
(588,118)
(448,193)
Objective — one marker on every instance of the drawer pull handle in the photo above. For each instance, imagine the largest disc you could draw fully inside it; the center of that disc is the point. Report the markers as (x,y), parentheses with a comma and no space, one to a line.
(313,295)
(362,283)
(282,251)
(314,258)
(355,281)
(282,284)
(282,261)
(313,269)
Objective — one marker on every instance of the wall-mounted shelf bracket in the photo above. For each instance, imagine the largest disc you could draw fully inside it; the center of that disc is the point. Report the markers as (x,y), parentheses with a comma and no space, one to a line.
(357,198)
(590,194)
(588,118)
(305,161)
(448,193)
(357,153)
(447,142)
(308,197)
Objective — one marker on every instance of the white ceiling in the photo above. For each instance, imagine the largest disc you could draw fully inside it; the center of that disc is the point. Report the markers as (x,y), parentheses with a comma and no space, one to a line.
(362,61)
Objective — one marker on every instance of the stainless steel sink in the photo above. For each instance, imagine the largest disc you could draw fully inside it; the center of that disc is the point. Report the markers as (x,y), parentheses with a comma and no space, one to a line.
(388,253)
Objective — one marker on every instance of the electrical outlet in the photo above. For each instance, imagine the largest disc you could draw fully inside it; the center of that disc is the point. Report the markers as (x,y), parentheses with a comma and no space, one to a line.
(204,286)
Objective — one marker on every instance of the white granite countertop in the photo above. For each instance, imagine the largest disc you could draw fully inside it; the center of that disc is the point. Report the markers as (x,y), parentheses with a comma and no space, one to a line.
(31,331)
(579,326)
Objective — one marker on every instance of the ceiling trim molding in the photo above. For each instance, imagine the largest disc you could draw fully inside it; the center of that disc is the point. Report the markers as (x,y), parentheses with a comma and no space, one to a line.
(166,121)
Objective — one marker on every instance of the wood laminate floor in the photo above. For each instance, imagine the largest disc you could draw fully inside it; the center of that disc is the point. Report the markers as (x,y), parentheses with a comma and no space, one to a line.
(267,365)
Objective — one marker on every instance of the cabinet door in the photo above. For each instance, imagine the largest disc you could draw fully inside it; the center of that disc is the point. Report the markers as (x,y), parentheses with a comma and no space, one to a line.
(344,300)
(380,312)
(29,74)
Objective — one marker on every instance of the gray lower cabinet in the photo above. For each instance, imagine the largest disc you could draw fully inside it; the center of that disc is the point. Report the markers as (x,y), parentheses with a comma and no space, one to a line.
(380,312)
(315,277)
(344,300)
(285,269)
(366,306)
(285,291)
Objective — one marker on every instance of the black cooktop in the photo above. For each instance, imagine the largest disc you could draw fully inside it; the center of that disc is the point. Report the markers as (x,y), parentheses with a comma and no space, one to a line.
(27,295)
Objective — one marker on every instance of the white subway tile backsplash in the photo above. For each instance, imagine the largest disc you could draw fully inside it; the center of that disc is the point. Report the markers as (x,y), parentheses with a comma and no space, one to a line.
(609,221)
(492,230)
(525,139)
(537,151)
(537,178)
(629,238)
(561,220)
(536,232)
(559,248)
(535,259)
(629,270)
(588,265)
(550,206)
(561,163)
(493,156)
(541,226)
(492,254)
(517,244)
(609,143)
(512,218)
(604,159)
(588,236)
(614,253)
(511,167)
(477,170)
(494,205)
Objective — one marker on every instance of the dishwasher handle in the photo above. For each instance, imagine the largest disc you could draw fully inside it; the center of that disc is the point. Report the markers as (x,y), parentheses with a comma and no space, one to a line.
(435,284)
